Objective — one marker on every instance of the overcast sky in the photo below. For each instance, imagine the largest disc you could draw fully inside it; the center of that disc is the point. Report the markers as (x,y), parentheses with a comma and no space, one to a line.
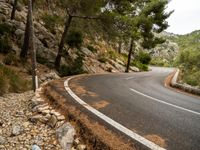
(186,16)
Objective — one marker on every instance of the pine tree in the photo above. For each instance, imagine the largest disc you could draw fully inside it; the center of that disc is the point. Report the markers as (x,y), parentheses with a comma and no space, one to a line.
(80,9)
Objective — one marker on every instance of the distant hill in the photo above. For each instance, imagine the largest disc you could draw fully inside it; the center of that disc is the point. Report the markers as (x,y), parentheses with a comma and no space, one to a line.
(188,41)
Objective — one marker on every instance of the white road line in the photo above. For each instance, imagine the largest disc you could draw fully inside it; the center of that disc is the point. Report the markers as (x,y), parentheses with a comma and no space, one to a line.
(129,78)
(163,102)
(113,123)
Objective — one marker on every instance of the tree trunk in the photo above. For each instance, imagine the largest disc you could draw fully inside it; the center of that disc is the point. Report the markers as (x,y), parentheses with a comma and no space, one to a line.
(14,10)
(129,56)
(32,47)
(25,47)
(33,4)
(62,42)
(120,47)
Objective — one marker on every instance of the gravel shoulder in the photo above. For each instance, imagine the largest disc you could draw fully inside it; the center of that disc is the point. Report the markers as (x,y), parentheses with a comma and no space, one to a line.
(16,131)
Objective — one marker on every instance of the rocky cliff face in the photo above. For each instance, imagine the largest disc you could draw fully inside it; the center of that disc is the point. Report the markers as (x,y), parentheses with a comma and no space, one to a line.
(166,51)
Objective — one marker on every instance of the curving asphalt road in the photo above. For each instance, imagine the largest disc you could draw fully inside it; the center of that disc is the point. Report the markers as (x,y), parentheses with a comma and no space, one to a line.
(141,102)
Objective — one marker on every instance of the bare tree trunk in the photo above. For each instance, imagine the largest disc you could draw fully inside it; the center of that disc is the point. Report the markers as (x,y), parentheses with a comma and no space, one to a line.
(32,47)
(62,42)
(14,10)
(129,56)
(25,47)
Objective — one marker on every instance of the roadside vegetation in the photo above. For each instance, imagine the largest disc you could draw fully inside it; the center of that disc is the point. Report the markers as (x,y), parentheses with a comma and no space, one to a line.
(12,82)
(142,60)
(189,63)
(188,59)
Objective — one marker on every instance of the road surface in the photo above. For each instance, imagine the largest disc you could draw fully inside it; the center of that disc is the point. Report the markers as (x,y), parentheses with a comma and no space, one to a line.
(141,103)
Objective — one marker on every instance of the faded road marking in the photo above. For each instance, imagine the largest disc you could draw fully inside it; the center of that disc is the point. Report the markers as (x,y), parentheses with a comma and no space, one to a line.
(113,123)
(100,104)
(163,102)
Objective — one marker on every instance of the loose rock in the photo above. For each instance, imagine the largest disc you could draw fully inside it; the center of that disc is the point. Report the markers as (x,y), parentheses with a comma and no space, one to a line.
(52,121)
(2,140)
(16,130)
(65,135)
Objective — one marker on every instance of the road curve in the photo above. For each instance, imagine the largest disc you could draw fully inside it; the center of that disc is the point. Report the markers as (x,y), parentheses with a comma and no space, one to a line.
(141,103)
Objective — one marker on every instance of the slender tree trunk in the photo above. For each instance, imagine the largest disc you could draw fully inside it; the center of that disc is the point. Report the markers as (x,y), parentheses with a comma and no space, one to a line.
(129,56)
(25,47)
(14,10)
(33,4)
(119,46)
(62,42)
(32,47)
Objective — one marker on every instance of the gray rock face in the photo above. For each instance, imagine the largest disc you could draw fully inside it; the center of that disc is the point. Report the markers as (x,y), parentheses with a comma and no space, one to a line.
(2,140)
(65,135)
(16,130)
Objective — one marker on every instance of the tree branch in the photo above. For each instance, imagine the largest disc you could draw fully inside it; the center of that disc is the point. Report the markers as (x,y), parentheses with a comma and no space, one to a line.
(85,17)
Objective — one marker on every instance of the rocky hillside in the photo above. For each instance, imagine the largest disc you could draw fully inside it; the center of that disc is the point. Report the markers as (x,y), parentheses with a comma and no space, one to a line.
(96,59)
(165,54)
(95,56)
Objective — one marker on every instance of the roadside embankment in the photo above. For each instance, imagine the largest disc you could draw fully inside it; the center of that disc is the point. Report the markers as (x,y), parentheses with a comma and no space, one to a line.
(185,87)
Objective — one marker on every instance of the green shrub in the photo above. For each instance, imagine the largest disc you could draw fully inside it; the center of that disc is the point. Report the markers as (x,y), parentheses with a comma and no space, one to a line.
(75,68)
(92,49)
(112,55)
(74,39)
(64,70)
(157,62)
(10,59)
(192,77)
(4,82)
(41,59)
(138,64)
(189,61)
(5,29)
(11,82)
(143,57)
(5,45)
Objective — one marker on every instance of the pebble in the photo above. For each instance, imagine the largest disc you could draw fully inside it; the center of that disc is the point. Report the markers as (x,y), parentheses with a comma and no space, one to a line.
(52,121)
(16,130)
(81,147)
(2,140)
(35,147)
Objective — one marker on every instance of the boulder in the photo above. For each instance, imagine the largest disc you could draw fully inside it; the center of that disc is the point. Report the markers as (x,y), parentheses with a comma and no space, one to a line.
(65,135)
(19,33)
